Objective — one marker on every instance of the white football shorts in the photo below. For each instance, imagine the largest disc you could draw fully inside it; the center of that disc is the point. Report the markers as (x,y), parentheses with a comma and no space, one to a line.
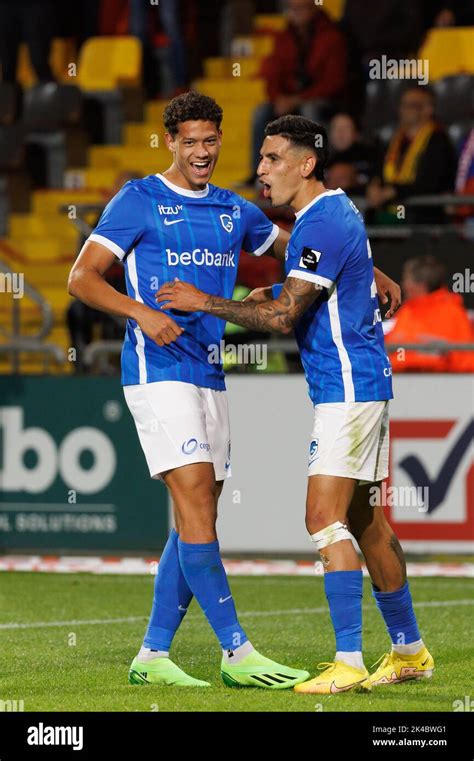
(179,423)
(350,439)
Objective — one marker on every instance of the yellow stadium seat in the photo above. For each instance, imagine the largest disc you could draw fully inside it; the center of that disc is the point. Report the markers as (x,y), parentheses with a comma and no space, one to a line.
(449,51)
(250,91)
(270,21)
(333,8)
(35,224)
(106,63)
(232,67)
(63,53)
(259,45)
(154,111)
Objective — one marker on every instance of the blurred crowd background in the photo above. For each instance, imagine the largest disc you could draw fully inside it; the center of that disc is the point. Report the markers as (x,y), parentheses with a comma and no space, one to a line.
(82,94)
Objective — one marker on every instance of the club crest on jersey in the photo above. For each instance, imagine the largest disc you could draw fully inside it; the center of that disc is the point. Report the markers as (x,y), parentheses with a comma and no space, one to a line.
(226,222)
(310,259)
(169,209)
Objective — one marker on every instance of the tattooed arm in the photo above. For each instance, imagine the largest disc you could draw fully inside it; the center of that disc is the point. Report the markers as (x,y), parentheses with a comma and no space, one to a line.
(276,315)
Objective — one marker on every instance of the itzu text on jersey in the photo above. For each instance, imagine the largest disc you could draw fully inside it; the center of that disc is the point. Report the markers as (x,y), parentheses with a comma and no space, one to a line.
(161,232)
(340,336)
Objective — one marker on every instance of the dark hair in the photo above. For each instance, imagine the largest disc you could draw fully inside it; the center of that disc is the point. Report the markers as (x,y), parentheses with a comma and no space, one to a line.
(427,269)
(304,133)
(425,89)
(191,106)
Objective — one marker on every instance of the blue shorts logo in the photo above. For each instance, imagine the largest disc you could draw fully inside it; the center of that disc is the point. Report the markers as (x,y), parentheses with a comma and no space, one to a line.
(189,446)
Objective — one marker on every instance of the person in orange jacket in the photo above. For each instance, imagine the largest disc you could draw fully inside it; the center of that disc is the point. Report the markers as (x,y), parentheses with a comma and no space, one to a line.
(429,313)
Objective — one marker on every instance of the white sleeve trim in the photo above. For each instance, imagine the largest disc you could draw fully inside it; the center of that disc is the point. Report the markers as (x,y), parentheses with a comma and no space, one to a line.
(265,246)
(119,252)
(316,279)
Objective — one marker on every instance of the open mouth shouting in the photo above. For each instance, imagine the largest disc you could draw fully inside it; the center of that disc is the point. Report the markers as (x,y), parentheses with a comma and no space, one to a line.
(201,169)
(266,189)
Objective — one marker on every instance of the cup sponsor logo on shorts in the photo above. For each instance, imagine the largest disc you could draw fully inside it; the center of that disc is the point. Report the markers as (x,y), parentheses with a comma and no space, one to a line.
(190,446)
(313,451)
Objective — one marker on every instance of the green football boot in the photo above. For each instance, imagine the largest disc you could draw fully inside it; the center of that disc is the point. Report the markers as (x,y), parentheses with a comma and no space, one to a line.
(161,671)
(257,671)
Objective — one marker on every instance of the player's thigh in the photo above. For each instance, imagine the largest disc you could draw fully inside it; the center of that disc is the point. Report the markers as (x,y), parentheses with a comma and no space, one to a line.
(347,440)
(327,500)
(194,492)
(216,411)
(366,517)
(171,424)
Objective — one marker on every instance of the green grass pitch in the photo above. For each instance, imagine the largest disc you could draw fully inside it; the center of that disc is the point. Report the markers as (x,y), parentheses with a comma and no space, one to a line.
(82,664)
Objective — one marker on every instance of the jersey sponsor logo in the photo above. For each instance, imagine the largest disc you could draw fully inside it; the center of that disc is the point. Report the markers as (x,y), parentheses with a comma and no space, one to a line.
(172,221)
(201,257)
(169,210)
(226,222)
(377,316)
(387,371)
(310,259)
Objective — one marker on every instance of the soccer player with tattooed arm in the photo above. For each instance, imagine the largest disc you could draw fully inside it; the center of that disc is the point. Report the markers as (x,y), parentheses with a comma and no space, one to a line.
(178,224)
(329,298)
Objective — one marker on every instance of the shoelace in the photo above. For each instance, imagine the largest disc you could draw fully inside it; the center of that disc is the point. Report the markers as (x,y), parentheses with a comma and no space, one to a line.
(385,658)
(326,665)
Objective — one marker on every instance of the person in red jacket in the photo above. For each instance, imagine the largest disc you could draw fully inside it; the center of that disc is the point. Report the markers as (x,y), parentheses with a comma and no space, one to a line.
(430,312)
(307,71)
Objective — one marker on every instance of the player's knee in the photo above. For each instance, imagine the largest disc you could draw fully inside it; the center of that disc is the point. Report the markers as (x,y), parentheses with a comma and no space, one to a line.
(317,517)
(331,534)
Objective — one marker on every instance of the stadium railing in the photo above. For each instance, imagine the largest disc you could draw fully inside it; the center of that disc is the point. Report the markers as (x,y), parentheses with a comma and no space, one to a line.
(14,343)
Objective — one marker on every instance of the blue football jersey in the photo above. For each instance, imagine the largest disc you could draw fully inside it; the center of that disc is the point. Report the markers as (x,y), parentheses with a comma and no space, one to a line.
(161,231)
(340,336)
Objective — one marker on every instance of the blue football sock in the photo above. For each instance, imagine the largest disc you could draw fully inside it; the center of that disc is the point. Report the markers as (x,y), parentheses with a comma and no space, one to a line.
(205,574)
(398,614)
(171,598)
(344,594)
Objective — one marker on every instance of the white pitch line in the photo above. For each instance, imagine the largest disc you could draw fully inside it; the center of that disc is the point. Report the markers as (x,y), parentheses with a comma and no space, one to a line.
(251,613)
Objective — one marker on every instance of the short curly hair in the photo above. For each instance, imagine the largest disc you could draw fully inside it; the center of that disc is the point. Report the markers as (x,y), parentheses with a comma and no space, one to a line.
(191,106)
(305,133)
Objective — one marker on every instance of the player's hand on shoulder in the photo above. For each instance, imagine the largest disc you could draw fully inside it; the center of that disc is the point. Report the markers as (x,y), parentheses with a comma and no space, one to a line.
(179,295)
(158,326)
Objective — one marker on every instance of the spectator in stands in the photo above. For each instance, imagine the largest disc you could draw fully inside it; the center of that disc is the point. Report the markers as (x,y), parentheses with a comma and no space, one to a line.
(389,27)
(464,184)
(443,13)
(342,175)
(307,71)
(170,20)
(31,21)
(347,149)
(429,313)
(83,321)
(420,159)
